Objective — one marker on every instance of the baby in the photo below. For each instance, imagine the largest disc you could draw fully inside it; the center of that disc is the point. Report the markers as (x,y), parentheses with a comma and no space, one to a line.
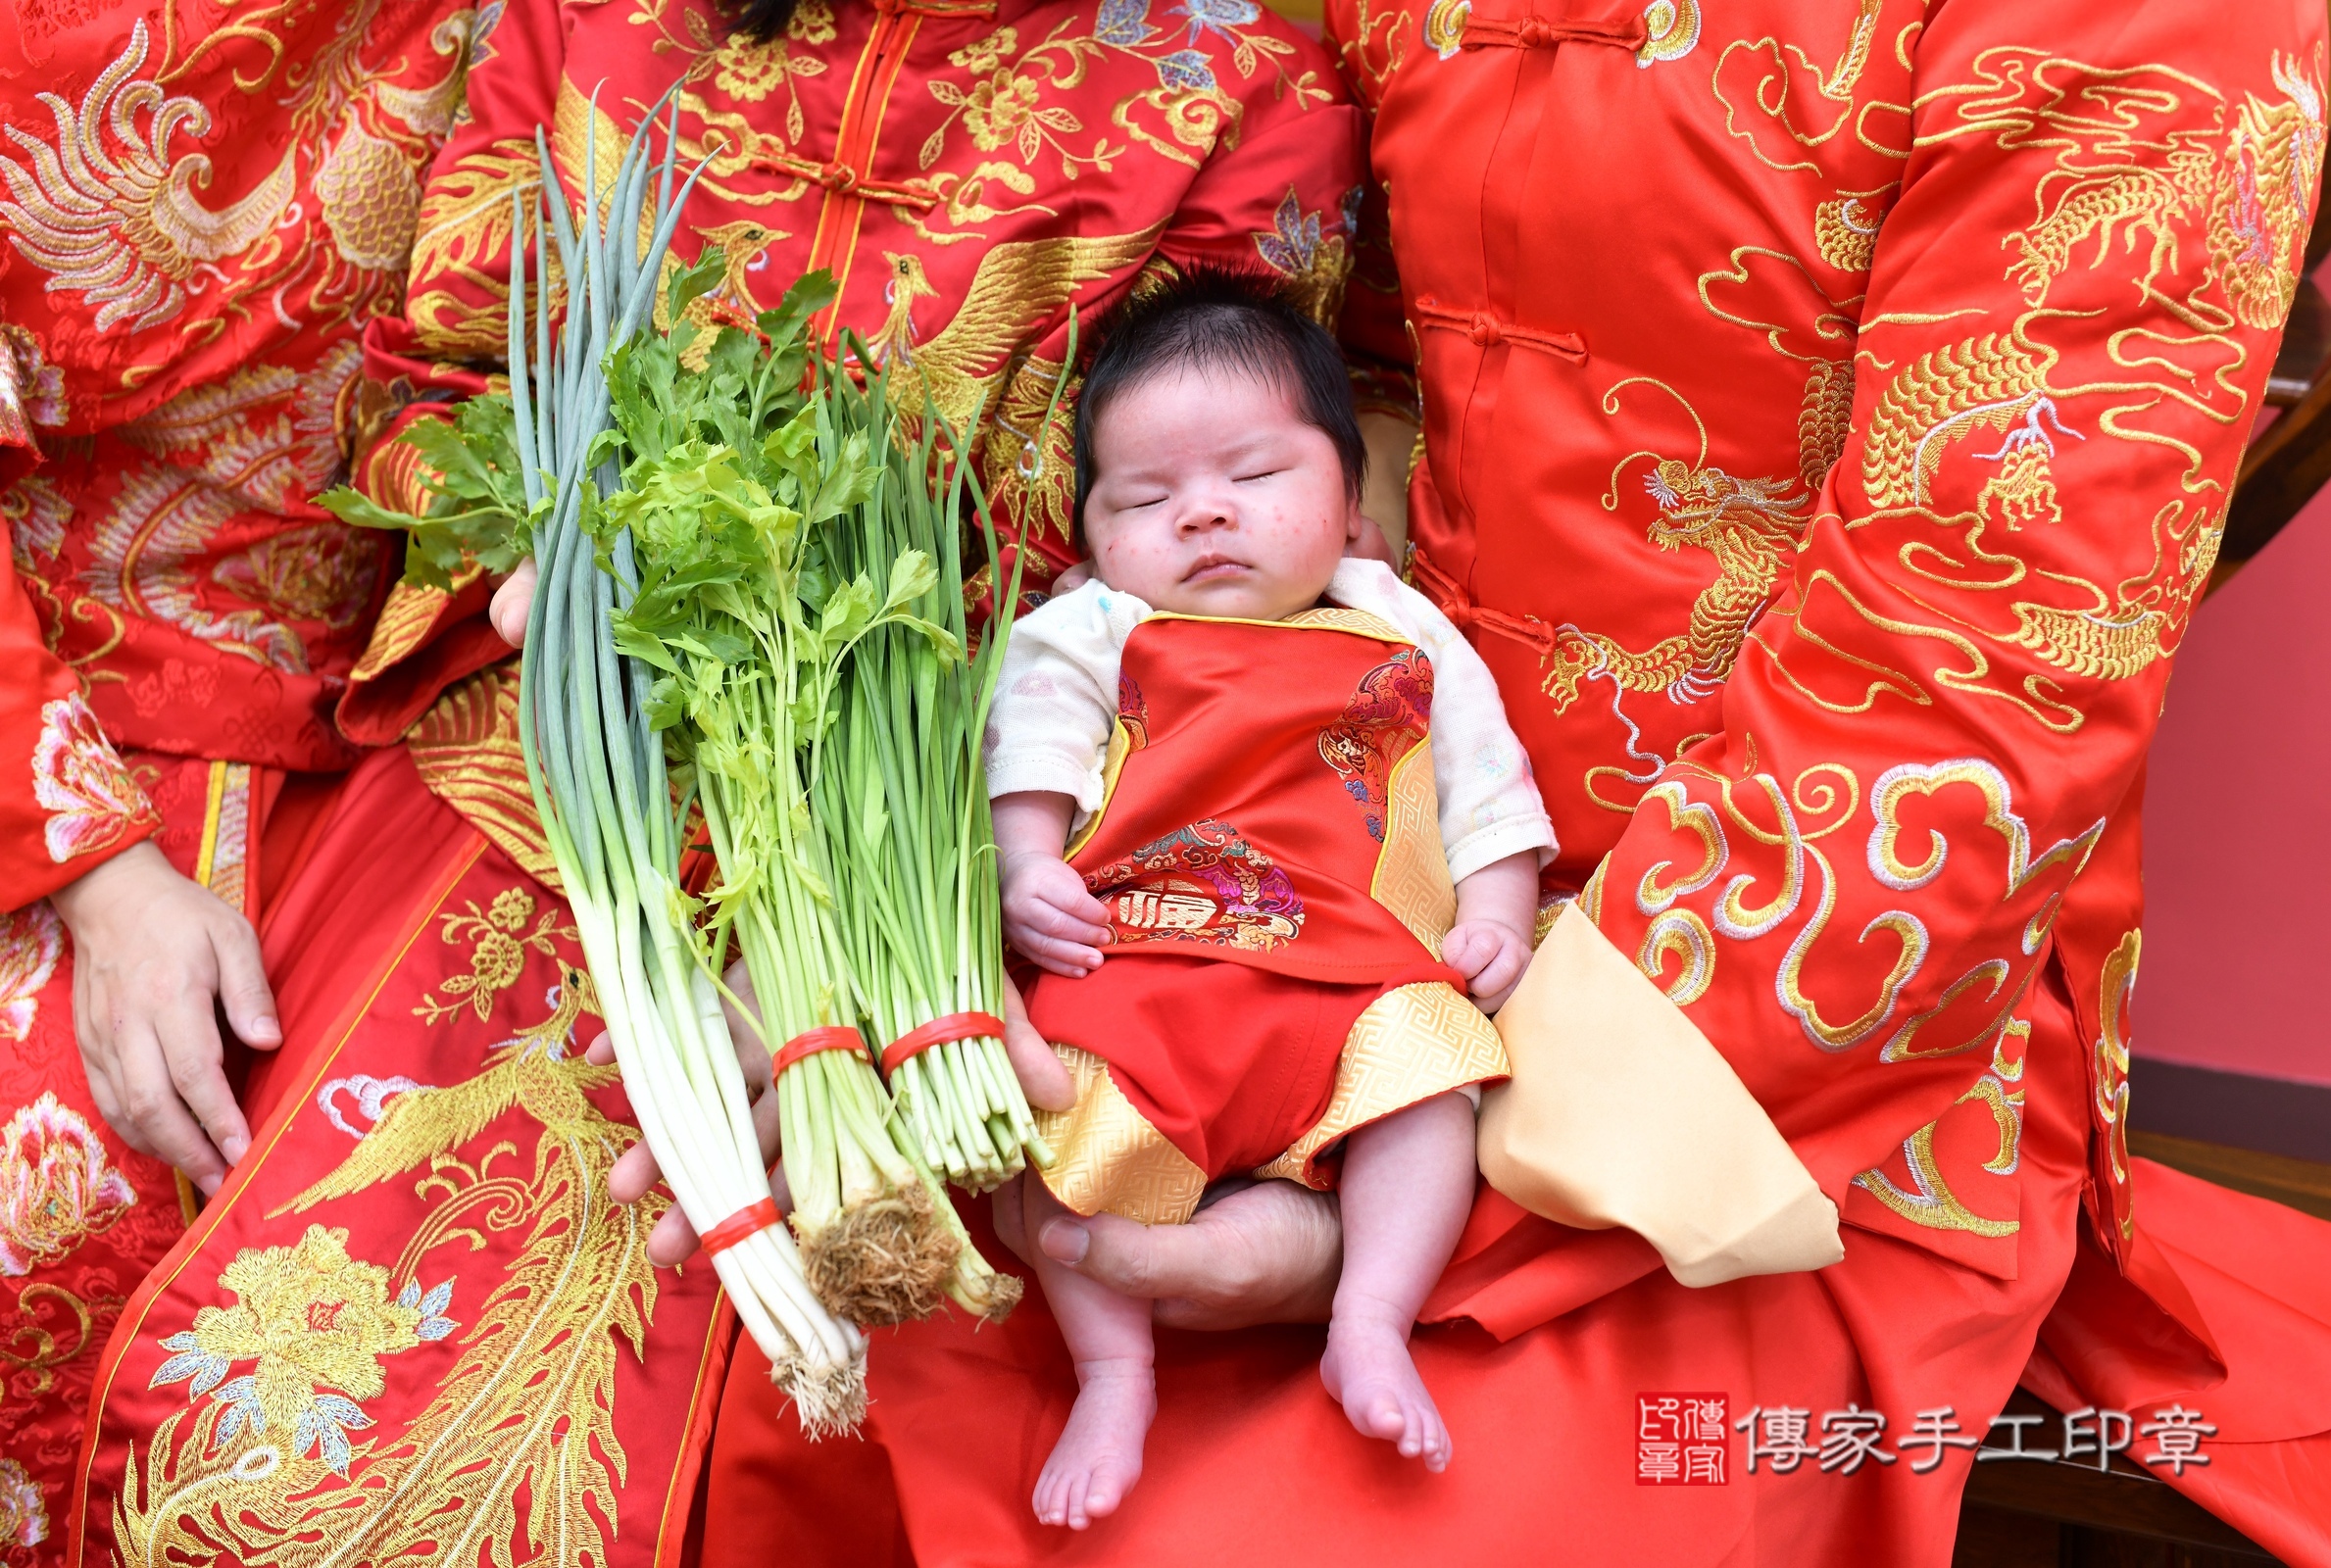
(1275,786)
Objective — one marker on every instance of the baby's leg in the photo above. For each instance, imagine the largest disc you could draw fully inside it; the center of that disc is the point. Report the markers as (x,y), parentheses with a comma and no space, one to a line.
(1099,1456)
(1407,1185)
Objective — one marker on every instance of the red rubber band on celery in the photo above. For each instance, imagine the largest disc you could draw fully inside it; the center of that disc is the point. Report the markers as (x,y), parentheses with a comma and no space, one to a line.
(742,1226)
(832,1037)
(940,1031)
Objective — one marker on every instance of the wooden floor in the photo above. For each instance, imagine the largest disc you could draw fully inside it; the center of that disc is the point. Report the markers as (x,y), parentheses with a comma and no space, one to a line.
(2059,1516)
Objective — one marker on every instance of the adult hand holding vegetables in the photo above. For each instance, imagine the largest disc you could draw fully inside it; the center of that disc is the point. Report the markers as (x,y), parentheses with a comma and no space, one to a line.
(1263,1252)
(1042,1079)
(747,569)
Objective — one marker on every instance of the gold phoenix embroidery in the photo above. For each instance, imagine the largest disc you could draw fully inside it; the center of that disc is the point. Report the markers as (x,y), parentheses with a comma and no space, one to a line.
(518,1442)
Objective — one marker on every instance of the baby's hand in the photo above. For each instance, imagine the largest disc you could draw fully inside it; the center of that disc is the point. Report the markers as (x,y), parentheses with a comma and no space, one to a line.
(1490,956)
(1050,917)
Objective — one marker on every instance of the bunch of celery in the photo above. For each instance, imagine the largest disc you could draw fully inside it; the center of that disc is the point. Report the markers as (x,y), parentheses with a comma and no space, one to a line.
(758,584)
(916,841)
(590,714)
(754,600)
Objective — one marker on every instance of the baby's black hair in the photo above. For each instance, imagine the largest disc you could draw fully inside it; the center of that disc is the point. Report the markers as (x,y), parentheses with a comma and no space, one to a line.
(1218,321)
(762,20)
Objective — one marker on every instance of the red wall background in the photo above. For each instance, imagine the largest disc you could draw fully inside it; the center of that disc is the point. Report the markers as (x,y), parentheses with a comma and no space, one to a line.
(2238,826)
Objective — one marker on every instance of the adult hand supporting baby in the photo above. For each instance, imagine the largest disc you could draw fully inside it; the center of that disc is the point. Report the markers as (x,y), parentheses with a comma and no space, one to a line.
(673,1239)
(1264,1253)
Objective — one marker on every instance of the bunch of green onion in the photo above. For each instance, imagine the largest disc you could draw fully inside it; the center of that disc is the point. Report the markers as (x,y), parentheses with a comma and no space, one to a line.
(903,799)
(751,603)
(918,847)
(530,471)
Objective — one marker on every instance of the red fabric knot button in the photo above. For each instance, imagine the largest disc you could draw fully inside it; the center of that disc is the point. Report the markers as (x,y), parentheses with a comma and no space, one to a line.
(939,1032)
(1486,331)
(742,1226)
(840,179)
(1457,605)
(832,1037)
(1541,32)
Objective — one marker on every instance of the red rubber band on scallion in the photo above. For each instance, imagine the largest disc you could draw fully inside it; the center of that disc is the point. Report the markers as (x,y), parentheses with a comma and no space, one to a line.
(742,1226)
(832,1037)
(939,1032)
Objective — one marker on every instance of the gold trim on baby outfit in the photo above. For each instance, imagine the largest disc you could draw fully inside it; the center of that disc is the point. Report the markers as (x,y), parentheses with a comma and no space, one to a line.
(1412,877)
(1413,1043)
(1321,617)
(1112,1160)
(1120,747)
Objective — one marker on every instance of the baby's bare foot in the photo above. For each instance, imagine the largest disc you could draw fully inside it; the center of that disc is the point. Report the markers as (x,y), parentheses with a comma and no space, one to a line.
(1099,1456)
(1368,1369)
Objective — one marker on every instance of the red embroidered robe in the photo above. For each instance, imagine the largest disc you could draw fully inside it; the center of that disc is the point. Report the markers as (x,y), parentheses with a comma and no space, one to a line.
(201,206)
(1829,412)
(967,171)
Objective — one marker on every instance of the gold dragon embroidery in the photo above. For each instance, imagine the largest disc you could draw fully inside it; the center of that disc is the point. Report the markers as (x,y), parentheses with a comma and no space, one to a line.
(1996,382)
(2119,635)
(1748,526)
(2116,181)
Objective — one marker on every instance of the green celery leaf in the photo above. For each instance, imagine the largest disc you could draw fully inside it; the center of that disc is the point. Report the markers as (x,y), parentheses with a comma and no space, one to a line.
(912,575)
(941,640)
(811,293)
(847,612)
(477,514)
(664,706)
(691,284)
(630,639)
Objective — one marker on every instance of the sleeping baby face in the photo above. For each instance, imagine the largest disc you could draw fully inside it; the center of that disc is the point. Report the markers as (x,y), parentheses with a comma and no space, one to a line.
(1212,496)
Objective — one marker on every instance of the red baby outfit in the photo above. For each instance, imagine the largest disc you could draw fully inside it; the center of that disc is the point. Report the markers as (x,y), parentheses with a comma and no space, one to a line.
(1269,855)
